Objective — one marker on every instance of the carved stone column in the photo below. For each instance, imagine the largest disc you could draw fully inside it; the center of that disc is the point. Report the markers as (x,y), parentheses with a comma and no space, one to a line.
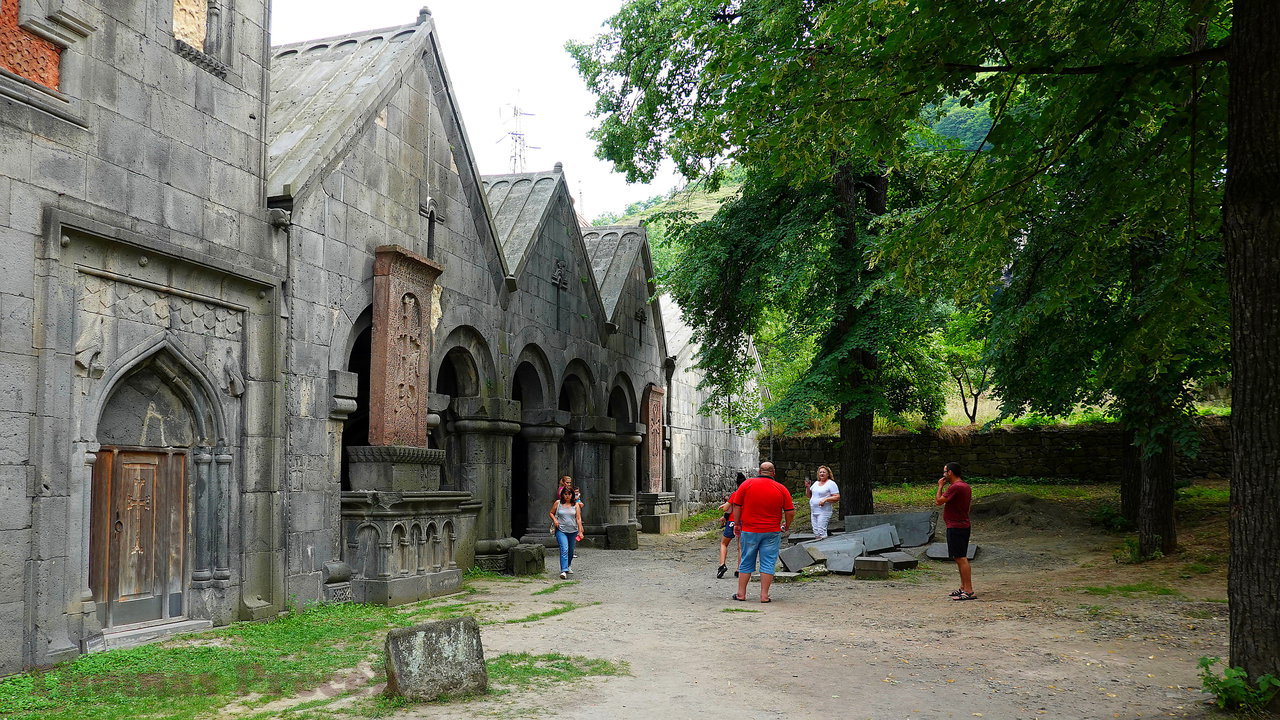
(592,439)
(542,431)
(624,470)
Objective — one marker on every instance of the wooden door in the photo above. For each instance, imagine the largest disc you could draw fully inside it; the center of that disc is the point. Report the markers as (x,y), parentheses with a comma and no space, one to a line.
(138,546)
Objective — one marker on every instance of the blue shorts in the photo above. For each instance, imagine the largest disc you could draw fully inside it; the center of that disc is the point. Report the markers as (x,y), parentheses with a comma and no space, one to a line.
(764,545)
(728,530)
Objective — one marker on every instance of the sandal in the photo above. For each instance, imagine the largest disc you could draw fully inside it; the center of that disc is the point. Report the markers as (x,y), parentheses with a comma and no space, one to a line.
(767,600)
(957,592)
(964,596)
(720,571)
(735,597)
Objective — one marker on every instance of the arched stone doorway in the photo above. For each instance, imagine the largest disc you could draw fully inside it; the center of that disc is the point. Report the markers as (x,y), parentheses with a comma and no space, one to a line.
(526,389)
(159,497)
(625,454)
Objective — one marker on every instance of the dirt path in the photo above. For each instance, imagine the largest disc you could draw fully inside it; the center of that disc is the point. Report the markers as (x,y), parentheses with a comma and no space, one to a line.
(1032,645)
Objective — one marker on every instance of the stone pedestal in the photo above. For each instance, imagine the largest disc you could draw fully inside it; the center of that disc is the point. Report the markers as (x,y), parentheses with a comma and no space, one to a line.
(394,468)
(526,559)
(403,546)
(485,427)
(654,512)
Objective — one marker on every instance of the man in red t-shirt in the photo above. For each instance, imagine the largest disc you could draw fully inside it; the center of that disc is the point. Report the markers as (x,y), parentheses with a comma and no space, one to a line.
(955,495)
(761,506)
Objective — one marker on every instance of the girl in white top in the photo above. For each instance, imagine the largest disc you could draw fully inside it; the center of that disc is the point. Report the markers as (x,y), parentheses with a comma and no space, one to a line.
(823,495)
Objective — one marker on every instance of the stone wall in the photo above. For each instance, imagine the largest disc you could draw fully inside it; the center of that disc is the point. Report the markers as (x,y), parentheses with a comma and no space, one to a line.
(1091,454)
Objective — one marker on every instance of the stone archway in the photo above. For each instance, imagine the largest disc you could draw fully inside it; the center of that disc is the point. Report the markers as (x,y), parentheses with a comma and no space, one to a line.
(159,493)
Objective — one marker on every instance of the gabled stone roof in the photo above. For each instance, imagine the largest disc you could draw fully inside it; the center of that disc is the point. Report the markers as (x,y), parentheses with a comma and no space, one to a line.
(520,204)
(613,251)
(324,92)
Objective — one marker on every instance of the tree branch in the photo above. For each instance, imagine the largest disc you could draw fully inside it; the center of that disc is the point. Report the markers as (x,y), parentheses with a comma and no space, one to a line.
(1214,54)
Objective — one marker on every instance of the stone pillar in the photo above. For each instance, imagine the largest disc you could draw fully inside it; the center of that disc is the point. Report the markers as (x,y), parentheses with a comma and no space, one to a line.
(542,431)
(484,428)
(593,439)
(624,470)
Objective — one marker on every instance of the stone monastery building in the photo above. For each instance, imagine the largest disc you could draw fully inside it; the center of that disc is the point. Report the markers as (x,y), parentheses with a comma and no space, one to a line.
(266,335)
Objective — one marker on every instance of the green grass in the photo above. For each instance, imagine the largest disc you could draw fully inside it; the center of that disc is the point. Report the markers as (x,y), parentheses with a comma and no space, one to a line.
(555,588)
(274,659)
(923,493)
(739,610)
(1131,590)
(564,606)
(476,572)
(526,670)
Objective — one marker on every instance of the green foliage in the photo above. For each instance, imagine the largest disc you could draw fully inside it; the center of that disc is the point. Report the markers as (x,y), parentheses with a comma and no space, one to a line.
(1109,518)
(555,588)
(1130,553)
(527,670)
(738,610)
(561,607)
(1233,690)
(701,519)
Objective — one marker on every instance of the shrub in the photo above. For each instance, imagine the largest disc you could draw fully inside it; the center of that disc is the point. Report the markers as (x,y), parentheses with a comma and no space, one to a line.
(1232,689)
(1108,517)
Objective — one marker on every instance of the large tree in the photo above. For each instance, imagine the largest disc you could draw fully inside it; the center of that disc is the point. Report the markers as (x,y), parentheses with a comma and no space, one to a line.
(802,86)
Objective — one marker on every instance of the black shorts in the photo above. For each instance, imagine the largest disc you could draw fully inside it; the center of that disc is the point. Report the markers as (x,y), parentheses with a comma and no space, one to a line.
(957,543)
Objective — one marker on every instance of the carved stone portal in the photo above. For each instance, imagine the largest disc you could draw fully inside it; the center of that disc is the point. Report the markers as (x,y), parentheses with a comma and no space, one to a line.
(402,291)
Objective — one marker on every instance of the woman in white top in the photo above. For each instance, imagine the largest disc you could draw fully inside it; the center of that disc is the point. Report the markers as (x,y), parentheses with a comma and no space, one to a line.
(567,516)
(823,495)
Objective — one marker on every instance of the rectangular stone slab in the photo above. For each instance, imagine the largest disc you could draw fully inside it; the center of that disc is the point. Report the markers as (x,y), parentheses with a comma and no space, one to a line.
(900,560)
(444,657)
(876,539)
(938,551)
(841,564)
(914,528)
(795,558)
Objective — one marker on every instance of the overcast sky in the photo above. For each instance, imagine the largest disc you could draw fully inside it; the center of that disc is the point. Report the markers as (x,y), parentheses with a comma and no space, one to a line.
(499,53)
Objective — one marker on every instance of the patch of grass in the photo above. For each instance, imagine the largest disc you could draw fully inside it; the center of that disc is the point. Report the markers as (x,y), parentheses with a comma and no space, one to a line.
(475,572)
(922,494)
(1149,588)
(555,588)
(1092,610)
(700,519)
(739,610)
(272,659)
(912,575)
(564,607)
(520,670)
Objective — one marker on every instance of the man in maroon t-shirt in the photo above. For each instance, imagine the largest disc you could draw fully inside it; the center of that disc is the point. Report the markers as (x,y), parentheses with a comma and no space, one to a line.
(761,506)
(955,495)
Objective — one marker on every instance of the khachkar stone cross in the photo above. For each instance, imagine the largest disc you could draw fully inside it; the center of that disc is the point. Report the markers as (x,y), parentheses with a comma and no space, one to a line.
(135,503)
(403,282)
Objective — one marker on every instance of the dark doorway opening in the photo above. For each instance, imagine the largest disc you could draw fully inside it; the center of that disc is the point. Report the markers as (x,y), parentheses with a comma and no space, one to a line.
(355,432)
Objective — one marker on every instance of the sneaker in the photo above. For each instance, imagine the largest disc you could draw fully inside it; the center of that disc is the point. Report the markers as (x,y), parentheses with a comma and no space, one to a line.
(564,576)
(720,571)
(575,556)
(965,596)
(570,571)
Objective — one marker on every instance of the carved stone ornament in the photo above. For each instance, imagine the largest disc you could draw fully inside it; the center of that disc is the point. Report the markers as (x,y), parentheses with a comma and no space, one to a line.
(560,276)
(91,342)
(231,372)
(403,283)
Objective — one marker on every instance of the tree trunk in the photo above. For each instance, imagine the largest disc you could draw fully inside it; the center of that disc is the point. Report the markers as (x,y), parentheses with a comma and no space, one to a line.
(855,463)
(1156,528)
(1252,231)
(1130,480)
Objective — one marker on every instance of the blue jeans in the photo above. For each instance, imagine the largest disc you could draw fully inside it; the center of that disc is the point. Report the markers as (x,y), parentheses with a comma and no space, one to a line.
(567,545)
(764,545)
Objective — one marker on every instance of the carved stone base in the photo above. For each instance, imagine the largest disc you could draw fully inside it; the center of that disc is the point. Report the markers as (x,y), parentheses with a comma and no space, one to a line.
(394,469)
(492,563)
(654,503)
(338,592)
(401,590)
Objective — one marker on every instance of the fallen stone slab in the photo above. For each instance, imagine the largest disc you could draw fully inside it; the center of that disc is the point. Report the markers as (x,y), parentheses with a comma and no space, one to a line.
(841,564)
(786,577)
(876,539)
(938,551)
(437,658)
(899,560)
(914,528)
(795,558)
(815,553)
(871,566)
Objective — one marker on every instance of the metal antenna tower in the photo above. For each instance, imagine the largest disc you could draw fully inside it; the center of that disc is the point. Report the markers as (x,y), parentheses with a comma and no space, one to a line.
(519,141)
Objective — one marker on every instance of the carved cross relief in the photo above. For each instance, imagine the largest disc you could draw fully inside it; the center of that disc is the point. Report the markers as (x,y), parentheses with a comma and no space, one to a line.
(135,503)
(403,283)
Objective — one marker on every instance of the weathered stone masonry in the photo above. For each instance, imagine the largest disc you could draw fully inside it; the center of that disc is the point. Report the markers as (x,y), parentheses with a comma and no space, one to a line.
(259,348)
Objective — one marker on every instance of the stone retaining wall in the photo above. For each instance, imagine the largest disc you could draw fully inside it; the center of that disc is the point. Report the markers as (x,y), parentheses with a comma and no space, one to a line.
(1087,453)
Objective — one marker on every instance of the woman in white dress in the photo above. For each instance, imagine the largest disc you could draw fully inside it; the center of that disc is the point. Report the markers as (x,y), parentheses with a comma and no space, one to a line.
(823,495)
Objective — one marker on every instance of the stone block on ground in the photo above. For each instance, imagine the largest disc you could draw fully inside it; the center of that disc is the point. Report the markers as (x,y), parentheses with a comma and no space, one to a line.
(661,524)
(526,559)
(900,560)
(795,558)
(786,577)
(622,537)
(841,564)
(938,551)
(443,657)
(871,566)
(816,553)
(914,528)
